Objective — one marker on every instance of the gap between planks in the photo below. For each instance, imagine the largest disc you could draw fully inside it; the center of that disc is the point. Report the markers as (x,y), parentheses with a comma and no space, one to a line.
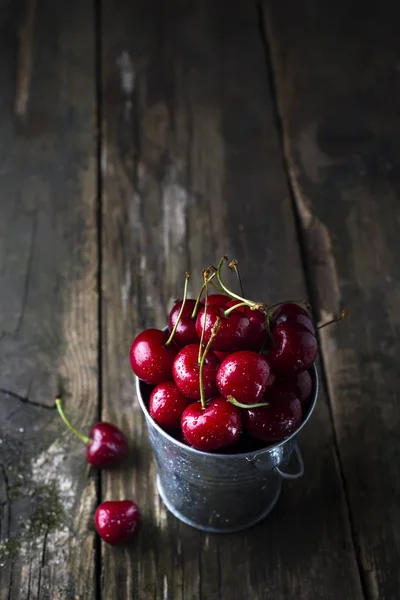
(99,223)
(297,202)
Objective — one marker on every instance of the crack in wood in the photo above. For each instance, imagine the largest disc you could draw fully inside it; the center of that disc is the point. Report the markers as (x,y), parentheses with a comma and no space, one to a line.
(219,573)
(25,400)
(7,503)
(370,584)
(6,485)
(316,251)
(318,248)
(42,564)
(11,578)
(29,581)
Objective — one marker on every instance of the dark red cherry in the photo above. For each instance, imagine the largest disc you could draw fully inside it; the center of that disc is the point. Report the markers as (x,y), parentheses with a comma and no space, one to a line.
(217,426)
(293,349)
(117,522)
(276,421)
(257,333)
(219,299)
(167,404)
(232,332)
(221,355)
(106,445)
(151,359)
(186,370)
(300,385)
(244,375)
(295,314)
(185,332)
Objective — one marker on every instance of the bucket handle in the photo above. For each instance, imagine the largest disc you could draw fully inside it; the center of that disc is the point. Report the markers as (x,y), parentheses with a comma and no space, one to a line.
(300,472)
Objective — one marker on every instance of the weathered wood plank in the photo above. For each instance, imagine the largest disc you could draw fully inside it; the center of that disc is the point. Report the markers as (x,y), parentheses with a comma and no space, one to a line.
(337,75)
(48,298)
(192,168)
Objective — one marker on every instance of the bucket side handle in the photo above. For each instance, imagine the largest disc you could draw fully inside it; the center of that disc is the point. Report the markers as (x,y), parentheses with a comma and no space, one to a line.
(300,471)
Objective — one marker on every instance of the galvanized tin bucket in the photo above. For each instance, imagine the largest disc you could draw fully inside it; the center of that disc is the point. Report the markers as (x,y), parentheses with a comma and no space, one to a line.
(221,493)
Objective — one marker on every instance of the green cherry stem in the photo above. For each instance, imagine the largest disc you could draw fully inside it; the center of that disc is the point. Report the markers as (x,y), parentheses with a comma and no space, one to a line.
(342,315)
(232,308)
(203,287)
(169,340)
(214,332)
(233,401)
(255,306)
(269,333)
(80,435)
(204,317)
(225,289)
(234,265)
(216,286)
(269,329)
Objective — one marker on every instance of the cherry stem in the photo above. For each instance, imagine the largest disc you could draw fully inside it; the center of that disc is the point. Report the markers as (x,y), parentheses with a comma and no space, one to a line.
(196,306)
(169,340)
(233,401)
(225,289)
(235,266)
(342,315)
(80,435)
(232,308)
(215,285)
(269,333)
(214,332)
(255,306)
(269,330)
(205,273)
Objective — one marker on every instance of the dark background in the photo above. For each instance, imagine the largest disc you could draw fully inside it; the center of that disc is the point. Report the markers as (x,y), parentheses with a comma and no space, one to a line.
(142,139)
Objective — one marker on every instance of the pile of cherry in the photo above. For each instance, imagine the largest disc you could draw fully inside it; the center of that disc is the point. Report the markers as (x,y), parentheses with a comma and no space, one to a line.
(227,367)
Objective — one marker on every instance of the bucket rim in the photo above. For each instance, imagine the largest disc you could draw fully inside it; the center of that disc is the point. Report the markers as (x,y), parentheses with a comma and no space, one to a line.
(221,456)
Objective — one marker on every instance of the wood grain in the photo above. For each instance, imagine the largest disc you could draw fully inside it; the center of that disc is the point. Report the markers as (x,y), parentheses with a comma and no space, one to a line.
(337,76)
(192,168)
(48,300)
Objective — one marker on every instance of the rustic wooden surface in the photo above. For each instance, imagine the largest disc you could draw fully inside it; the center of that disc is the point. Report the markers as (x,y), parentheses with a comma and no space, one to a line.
(337,81)
(192,168)
(172,133)
(48,299)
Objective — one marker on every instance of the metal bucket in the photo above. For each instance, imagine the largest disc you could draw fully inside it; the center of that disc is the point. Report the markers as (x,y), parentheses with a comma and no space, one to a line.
(221,493)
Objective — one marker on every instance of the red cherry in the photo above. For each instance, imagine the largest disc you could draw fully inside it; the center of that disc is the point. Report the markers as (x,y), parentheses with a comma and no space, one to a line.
(257,333)
(167,404)
(278,420)
(244,375)
(186,371)
(151,359)
(295,314)
(221,355)
(293,349)
(217,426)
(106,445)
(300,385)
(185,332)
(232,332)
(219,299)
(117,521)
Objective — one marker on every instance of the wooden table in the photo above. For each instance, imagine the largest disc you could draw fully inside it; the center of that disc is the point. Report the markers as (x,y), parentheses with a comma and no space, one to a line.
(142,139)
